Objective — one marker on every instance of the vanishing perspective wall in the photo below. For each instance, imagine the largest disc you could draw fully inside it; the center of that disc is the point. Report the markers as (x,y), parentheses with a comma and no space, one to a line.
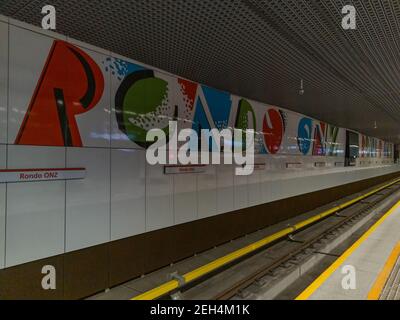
(3,131)
(67,105)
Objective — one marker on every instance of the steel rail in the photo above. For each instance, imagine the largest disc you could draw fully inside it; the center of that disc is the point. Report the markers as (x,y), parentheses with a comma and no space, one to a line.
(263,271)
(217,264)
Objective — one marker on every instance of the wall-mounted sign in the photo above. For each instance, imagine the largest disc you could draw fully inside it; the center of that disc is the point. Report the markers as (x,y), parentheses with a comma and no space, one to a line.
(35,175)
(294,165)
(320,164)
(365,163)
(260,166)
(184,169)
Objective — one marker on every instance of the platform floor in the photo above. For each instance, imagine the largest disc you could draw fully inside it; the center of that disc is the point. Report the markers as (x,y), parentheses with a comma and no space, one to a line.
(367,269)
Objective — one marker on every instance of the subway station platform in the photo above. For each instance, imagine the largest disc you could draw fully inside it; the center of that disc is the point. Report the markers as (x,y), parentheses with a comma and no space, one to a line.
(199,150)
(369,270)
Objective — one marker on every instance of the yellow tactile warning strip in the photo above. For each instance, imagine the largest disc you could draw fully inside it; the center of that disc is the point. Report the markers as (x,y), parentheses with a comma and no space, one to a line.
(328,272)
(383,277)
(216,264)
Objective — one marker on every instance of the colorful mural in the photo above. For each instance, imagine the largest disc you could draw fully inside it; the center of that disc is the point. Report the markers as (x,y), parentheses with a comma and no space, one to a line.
(319,148)
(332,139)
(140,104)
(72,84)
(274,128)
(58,99)
(375,148)
(304,135)
(245,120)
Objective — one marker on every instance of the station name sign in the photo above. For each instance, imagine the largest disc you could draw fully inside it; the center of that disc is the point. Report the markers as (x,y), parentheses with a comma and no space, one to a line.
(36,175)
(184,169)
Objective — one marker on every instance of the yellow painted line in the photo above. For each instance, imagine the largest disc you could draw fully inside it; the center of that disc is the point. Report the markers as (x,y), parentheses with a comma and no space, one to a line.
(212,266)
(383,277)
(218,263)
(328,272)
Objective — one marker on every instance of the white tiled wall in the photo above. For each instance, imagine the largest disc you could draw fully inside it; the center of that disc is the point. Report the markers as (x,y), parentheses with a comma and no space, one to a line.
(273,188)
(35,211)
(159,198)
(128,193)
(225,189)
(207,193)
(3,132)
(185,198)
(2,208)
(241,192)
(255,191)
(290,187)
(88,200)
(3,81)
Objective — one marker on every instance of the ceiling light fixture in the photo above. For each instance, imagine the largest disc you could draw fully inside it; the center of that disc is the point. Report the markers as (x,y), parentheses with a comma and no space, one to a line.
(302,91)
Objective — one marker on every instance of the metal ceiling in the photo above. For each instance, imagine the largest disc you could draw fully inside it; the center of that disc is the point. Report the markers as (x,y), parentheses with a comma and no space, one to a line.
(259,49)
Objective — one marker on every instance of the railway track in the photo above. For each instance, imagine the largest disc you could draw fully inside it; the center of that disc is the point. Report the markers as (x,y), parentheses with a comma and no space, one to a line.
(312,239)
(279,256)
(313,243)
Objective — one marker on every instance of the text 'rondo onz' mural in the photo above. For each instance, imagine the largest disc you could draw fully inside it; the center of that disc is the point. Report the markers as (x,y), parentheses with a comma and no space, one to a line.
(72,84)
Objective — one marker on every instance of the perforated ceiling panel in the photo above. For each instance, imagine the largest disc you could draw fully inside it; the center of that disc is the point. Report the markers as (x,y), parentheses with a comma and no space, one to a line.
(259,49)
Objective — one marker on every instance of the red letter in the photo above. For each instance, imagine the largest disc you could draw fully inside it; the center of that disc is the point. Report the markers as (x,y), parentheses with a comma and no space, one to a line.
(71,83)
